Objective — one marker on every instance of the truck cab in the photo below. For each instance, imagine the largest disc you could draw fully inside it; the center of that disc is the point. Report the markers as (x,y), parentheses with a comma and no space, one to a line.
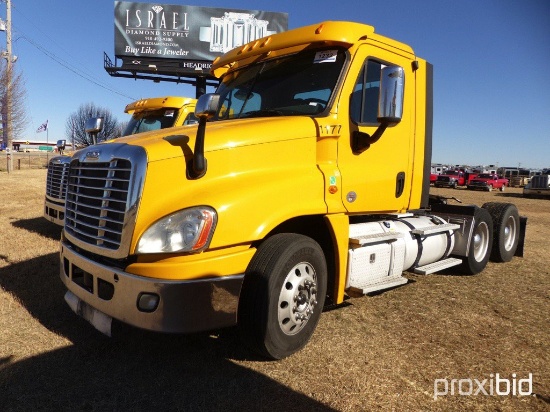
(538,186)
(306,180)
(159,113)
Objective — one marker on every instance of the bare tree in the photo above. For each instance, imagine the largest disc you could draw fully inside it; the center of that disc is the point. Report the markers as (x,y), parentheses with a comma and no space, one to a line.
(75,127)
(17,102)
(121,128)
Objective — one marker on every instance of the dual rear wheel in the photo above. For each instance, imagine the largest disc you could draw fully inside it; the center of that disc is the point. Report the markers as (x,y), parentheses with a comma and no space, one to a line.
(495,236)
(506,228)
(284,288)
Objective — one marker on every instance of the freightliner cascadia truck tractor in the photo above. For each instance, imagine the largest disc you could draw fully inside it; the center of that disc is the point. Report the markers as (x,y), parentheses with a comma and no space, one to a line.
(538,186)
(147,115)
(305,182)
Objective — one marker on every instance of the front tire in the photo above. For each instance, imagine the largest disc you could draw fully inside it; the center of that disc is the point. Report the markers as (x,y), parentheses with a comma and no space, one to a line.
(481,244)
(282,295)
(506,228)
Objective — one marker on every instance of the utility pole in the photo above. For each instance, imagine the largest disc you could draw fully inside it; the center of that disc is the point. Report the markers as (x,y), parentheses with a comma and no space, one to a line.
(8,56)
(8,88)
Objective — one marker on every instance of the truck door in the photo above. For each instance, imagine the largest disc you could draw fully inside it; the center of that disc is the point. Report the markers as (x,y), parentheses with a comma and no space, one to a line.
(376,178)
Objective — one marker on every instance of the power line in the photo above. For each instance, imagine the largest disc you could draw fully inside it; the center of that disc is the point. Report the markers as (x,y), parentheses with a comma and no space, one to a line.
(79,72)
(74,70)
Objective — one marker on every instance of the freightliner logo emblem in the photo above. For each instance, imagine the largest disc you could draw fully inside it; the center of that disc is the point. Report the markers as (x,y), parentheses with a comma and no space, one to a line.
(93,155)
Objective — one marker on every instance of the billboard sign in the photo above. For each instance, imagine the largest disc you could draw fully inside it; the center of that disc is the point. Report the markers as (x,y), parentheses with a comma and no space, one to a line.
(197,35)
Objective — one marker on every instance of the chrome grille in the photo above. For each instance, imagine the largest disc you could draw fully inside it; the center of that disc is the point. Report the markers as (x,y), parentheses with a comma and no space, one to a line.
(57,177)
(97,197)
(540,182)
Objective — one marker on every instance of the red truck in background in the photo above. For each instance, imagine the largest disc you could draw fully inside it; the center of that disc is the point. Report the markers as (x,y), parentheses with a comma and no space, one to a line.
(488,182)
(454,178)
(436,170)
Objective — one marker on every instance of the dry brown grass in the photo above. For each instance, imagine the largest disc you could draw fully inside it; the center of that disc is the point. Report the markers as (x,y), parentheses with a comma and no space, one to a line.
(380,352)
(26,160)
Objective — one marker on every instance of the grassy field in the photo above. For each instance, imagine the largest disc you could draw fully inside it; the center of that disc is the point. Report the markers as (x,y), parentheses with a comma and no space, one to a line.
(391,351)
(26,160)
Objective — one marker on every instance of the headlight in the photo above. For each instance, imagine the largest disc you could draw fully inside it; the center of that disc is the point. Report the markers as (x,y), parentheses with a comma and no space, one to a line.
(188,230)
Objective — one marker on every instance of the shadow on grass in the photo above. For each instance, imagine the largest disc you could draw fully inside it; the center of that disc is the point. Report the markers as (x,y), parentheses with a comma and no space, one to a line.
(511,195)
(134,370)
(40,226)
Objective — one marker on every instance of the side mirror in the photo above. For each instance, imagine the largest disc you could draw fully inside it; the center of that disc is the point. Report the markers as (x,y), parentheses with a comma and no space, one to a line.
(94,125)
(61,144)
(390,107)
(207,105)
(392,88)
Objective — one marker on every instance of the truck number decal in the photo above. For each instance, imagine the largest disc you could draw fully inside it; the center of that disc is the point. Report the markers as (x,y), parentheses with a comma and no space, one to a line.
(330,129)
(325,56)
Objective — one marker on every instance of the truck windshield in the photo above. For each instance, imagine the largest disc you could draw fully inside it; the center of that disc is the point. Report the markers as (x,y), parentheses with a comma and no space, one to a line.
(294,85)
(146,121)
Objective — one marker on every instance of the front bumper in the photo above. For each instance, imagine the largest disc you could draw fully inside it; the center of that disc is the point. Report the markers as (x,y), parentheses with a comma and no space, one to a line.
(478,186)
(444,184)
(96,291)
(536,192)
(54,211)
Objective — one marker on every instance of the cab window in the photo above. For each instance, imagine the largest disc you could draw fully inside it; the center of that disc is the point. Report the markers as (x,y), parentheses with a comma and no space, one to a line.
(151,120)
(191,119)
(301,84)
(364,99)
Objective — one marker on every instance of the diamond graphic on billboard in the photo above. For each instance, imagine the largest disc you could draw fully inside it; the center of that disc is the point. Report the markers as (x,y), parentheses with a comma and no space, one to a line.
(197,34)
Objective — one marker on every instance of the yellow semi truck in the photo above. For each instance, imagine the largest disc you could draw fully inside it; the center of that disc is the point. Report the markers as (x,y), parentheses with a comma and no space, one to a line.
(305,182)
(146,115)
(159,113)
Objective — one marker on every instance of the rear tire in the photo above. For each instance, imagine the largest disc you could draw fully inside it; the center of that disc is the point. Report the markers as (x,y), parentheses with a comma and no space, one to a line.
(282,295)
(481,243)
(506,228)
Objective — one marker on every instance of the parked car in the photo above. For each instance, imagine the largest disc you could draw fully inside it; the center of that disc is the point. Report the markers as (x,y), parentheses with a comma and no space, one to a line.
(454,178)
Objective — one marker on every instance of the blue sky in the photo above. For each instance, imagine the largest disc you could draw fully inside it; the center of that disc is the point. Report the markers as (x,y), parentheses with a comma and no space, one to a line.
(491,60)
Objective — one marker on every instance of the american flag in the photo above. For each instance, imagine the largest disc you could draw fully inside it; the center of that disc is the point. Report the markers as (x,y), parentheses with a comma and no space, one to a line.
(43,127)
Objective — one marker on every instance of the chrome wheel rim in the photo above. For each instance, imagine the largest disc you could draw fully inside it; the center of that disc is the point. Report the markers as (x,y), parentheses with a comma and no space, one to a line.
(481,241)
(510,233)
(298,298)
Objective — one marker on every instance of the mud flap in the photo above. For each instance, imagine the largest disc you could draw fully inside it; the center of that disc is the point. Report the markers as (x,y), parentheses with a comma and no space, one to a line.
(521,240)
